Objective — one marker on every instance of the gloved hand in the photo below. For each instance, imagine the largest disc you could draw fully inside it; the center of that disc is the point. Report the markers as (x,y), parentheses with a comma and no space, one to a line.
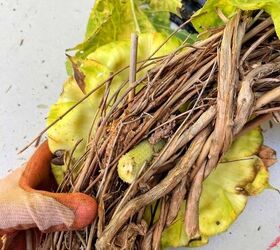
(24,205)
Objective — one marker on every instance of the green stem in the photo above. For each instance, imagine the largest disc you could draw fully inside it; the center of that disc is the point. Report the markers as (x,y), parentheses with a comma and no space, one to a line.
(131,163)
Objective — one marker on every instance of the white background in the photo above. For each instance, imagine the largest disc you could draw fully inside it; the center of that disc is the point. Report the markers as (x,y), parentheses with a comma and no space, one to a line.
(33,37)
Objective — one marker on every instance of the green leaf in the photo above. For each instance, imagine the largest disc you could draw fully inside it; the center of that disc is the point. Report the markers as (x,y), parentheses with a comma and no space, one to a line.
(225,193)
(245,146)
(58,173)
(207,17)
(112,20)
(168,6)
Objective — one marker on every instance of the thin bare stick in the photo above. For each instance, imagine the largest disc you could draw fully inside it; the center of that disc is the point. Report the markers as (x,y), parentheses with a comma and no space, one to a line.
(254,19)
(81,239)
(265,111)
(268,96)
(160,224)
(256,30)
(133,63)
(256,44)
(91,235)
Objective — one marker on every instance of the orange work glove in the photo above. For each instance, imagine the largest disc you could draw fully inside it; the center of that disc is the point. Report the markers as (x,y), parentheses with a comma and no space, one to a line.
(23,204)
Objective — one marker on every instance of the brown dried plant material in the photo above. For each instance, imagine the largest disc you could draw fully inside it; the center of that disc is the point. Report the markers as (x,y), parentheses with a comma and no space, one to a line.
(220,93)
(276,116)
(268,155)
(101,218)
(164,187)
(271,95)
(160,224)
(78,75)
(146,242)
(246,97)
(126,238)
(164,131)
(177,197)
(192,205)
(202,158)
(227,79)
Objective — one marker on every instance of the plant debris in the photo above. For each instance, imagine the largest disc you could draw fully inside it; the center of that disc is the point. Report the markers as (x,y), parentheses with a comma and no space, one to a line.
(199,99)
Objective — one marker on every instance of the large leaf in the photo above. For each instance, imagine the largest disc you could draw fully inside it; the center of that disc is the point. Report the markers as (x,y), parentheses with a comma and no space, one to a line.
(207,16)
(97,68)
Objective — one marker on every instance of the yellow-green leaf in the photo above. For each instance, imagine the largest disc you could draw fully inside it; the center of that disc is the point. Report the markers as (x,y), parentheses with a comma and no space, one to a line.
(169,5)
(272,7)
(112,20)
(245,146)
(175,235)
(207,16)
(225,193)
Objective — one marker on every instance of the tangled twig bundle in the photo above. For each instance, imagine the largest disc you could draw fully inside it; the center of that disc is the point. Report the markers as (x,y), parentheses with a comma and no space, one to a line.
(226,84)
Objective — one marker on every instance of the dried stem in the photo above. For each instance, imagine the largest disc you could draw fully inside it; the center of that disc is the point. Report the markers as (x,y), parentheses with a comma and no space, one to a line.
(192,205)
(133,63)
(199,98)
(163,188)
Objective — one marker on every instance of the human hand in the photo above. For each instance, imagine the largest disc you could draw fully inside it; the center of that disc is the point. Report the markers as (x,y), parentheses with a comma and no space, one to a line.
(23,204)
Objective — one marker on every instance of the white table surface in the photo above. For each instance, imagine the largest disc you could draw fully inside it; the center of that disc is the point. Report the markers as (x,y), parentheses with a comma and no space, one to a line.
(33,37)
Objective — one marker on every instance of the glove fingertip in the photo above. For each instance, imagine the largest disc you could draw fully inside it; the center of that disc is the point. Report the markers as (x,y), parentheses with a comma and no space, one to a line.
(85,211)
(83,206)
